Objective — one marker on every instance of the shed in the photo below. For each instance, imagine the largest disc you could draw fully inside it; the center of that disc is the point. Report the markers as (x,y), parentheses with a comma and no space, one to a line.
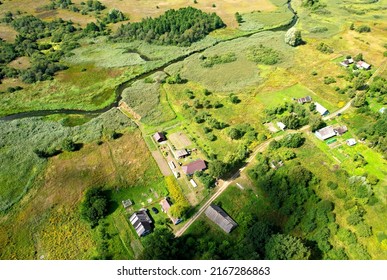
(178,154)
(159,137)
(127,203)
(220,217)
(193,183)
(351,142)
(341,130)
(197,165)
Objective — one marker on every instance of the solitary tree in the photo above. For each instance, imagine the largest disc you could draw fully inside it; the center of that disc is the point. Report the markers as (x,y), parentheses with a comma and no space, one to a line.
(293,37)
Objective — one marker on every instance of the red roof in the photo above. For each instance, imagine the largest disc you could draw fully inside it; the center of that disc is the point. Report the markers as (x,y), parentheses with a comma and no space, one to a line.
(194,166)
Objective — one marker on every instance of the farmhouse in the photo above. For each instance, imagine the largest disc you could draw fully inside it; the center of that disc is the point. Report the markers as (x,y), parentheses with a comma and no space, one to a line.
(219,217)
(325,133)
(159,137)
(363,65)
(351,142)
(305,99)
(197,165)
(165,205)
(347,62)
(321,109)
(141,222)
(281,125)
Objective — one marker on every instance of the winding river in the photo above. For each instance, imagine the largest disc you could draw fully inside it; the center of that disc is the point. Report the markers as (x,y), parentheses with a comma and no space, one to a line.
(120,88)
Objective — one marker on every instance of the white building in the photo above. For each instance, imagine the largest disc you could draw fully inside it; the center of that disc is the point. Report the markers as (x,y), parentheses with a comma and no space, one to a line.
(321,109)
(325,133)
(351,142)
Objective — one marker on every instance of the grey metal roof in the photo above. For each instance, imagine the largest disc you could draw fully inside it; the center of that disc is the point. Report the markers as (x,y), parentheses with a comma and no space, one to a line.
(219,217)
(141,222)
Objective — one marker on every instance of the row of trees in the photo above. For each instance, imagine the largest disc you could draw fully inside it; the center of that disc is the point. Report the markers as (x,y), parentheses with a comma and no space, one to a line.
(176,27)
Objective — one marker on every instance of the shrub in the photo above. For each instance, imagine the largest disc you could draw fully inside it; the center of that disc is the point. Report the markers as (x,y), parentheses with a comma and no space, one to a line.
(219,59)
(363,28)
(324,48)
(264,55)
(329,80)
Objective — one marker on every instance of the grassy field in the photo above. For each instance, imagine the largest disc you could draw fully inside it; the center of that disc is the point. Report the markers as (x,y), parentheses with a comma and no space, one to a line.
(47,218)
(148,101)
(20,165)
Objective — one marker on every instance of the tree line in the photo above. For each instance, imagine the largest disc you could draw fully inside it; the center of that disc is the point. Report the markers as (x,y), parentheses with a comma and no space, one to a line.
(179,27)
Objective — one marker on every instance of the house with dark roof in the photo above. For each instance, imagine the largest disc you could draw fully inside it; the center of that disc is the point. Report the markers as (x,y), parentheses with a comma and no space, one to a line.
(305,99)
(197,165)
(141,222)
(159,137)
(341,130)
(220,217)
(347,62)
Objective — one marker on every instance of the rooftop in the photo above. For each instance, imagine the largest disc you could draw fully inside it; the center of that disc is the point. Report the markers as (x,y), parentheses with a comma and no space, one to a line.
(219,217)
(197,165)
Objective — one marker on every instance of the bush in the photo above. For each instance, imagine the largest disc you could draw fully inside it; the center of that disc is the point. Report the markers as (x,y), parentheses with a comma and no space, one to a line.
(293,37)
(363,29)
(324,48)
(332,185)
(69,145)
(264,55)
(329,80)
(219,59)
(294,140)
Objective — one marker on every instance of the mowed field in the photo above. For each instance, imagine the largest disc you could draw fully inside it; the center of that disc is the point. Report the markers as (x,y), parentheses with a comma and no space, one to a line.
(226,9)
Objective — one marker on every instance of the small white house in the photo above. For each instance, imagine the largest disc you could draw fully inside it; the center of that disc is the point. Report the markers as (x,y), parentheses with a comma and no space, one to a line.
(351,142)
(281,125)
(363,65)
(321,109)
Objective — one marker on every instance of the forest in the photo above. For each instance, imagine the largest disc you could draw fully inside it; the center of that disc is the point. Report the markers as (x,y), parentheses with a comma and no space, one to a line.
(176,27)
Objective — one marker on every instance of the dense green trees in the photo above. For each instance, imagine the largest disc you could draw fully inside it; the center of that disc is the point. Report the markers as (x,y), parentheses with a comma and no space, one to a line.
(94,206)
(176,27)
(286,247)
(160,245)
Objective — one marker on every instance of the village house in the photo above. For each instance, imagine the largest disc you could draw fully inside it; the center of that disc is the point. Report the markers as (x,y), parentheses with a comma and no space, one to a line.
(219,217)
(197,165)
(305,99)
(159,137)
(165,205)
(347,62)
(325,133)
(329,131)
(281,125)
(363,65)
(321,109)
(141,222)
